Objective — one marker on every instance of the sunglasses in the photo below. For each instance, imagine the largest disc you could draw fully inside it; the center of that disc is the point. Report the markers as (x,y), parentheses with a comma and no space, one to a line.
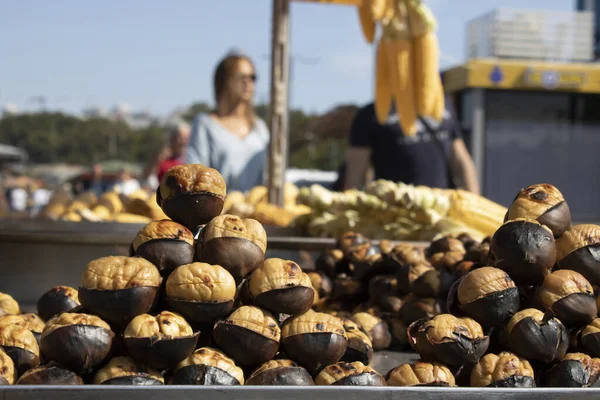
(252,77)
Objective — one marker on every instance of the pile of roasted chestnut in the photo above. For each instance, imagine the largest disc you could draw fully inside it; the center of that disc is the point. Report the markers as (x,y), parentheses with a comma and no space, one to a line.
(518,309)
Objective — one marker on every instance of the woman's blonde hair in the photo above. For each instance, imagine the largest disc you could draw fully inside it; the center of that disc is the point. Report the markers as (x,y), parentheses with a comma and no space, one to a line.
(225,71)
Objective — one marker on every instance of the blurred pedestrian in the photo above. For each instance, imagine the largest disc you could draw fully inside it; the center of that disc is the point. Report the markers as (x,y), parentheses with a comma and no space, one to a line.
(232,139)
(126,184)
(179,136)
(96,183)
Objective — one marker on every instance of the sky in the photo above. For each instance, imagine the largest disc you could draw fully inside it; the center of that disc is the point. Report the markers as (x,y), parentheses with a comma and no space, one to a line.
(158,55)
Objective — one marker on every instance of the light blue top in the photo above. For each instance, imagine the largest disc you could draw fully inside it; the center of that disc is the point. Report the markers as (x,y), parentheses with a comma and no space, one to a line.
(241,161)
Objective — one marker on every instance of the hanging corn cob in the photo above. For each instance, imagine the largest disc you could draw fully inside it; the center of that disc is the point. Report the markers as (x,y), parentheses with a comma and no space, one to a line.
(383,88)
(367,22)
(428,85)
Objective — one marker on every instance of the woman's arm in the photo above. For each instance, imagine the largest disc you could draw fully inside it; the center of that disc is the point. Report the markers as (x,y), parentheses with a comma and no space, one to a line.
(198,148)
(463,166)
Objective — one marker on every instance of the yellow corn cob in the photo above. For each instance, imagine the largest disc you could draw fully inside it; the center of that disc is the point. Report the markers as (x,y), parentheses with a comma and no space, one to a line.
(366,20)
(383,89)
(438,107)
(402,83)
(476,211)
(426,72)
(378,8)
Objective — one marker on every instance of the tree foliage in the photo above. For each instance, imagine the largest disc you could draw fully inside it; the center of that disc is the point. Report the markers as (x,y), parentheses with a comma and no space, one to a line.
(315,141)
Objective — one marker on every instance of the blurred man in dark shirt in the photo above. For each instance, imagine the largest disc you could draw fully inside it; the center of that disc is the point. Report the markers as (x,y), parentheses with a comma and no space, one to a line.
(420,160)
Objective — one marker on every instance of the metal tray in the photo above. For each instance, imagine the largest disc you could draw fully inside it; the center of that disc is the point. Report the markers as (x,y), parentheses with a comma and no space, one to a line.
(93,392)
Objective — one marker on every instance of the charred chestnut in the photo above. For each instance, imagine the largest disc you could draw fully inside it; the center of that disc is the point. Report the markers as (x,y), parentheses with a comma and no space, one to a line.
(570,297)
(166,244)
(125,371)
(250,336)
(382,286)
(488,295)
(574,370)
(314,340)
(479,253)
(364,261)
(502,370)
(420,276)
(209,367)
(349,240)
(191,194)
(8,305)
(445,245)
(345,287)
(280,286)
(536,336)
(160,342)
(398,330)
(447,260)
(360,347)
(20,345)
(350,374)
(447,339)
(50,374)
(57,300)
(579,250)
(28,321)
(544,203)
(375,328)
(330,262)
(201,292)
(321,283)
(7,369)
(525,249)
(236,244)
(589,338)
(80,342)
(404,255)
(415,308)
(280,373)
(421,373)
(119,288)
(463,268)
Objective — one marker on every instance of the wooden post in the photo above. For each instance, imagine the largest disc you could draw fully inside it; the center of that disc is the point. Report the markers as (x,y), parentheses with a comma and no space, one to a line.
(278,118)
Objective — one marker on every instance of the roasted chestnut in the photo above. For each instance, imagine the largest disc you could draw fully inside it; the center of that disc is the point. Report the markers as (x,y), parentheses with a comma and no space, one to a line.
(314,340)
(7,369)
(502,370)
(280,373)
(28,321)
(330,262)
(80,342)
(250,336)
(160,342)
(447,339)
(398,329)
(579,250)
(420,275)
(589,338)
(544,203)
(421,373)
(8,305)
(119,288)
(49,374)
(574,370)
(349,374)
(447,260)
(570,297)
(360,347)
(166,244)
(209,367)
(191,194)
(349,240)
(321,283)
(20,345)
(364,261)
(446,244)
(414,308)
(488,295)
(125,371)
(525,249)
(375,328)
(236,244)
(280,286)
(201,292)
(347,288)
(57,300)
(404,255)
(479,253)
(536,336)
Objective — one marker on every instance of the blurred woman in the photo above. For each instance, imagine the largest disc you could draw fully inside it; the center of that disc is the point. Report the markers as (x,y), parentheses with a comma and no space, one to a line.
(232,139)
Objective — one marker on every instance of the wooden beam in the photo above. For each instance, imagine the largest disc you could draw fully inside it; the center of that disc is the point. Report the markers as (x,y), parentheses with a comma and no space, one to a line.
(278,118)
